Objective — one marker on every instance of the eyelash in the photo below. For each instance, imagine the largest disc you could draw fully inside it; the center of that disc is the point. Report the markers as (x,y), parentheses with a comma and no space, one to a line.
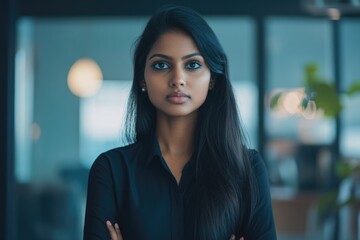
(156,66)
(193,62)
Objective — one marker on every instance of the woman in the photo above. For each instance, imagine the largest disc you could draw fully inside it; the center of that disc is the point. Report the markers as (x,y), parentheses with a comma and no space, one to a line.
(188,174)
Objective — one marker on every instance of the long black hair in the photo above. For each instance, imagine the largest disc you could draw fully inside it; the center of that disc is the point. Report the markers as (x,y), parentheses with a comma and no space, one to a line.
(224,179)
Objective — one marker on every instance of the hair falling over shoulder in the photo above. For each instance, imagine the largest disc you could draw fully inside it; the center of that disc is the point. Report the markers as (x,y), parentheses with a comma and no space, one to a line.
(225,185)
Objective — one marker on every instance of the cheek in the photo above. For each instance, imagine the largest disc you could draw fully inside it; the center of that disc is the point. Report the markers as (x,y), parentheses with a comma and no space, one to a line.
(200,90)
(155,88)
(201,84)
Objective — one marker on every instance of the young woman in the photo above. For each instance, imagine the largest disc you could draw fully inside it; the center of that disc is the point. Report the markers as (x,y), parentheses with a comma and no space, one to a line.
(188,174)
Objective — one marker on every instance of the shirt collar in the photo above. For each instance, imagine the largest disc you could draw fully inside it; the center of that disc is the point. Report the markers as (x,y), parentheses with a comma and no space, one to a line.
(153,151)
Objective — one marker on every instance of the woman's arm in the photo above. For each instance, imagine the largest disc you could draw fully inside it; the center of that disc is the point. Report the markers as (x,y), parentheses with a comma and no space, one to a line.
(261,226)
(115,233)
(101,204)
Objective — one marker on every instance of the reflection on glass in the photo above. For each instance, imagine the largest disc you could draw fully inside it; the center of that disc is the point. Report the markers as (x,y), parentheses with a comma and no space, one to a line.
(350,118)
(24,100)
(297,133)
(51,177)
(101,120)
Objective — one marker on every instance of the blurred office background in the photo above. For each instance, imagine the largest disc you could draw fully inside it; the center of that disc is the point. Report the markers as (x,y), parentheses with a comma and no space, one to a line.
(68,85)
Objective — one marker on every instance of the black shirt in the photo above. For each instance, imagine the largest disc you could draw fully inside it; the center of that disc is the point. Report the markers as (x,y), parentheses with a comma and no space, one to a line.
(134,187)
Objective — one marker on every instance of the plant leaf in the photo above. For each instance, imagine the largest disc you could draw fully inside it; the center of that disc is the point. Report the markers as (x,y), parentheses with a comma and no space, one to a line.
(327,98)
(343,169)
(328,202)
(354,88)
(311,74)
(275,100)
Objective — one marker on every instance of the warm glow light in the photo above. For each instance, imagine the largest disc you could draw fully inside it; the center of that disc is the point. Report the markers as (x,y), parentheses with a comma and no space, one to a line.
(85,78)
(334,13)
(291,102)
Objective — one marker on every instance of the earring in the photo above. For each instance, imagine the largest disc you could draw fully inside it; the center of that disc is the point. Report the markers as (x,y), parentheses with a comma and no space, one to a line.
(143,89)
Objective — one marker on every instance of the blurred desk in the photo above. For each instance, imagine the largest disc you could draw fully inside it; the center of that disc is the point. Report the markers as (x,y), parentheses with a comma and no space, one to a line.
(291,210)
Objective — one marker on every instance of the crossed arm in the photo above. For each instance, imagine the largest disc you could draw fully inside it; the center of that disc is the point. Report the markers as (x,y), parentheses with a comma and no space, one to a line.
(115,232)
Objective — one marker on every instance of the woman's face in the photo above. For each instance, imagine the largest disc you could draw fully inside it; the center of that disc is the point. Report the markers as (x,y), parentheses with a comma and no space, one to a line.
(176,76)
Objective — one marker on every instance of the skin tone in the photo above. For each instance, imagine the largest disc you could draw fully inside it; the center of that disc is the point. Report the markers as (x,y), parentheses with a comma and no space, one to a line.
(177,81)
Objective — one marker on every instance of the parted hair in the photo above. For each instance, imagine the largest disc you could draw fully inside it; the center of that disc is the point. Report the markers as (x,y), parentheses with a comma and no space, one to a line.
(225,187)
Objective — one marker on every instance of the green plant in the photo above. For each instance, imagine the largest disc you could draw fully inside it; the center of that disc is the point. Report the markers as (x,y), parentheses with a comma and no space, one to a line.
(321,91)
(330,202)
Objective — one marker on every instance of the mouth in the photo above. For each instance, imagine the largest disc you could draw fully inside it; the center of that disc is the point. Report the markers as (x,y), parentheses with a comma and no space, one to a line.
(178,98)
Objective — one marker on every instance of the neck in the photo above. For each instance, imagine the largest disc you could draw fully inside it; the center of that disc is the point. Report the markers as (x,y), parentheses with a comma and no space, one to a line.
(176,135)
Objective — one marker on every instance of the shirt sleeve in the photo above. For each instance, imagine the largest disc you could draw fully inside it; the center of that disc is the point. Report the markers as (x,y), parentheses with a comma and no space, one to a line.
(261,226)
(101,203)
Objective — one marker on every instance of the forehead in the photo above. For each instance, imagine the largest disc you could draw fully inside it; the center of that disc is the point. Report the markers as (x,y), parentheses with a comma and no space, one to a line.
(174,43)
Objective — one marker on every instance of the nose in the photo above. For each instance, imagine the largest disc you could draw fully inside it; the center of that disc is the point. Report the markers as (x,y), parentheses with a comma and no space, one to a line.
(177,78)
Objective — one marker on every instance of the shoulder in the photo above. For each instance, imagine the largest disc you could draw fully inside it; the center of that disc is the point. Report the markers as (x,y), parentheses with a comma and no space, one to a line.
(123,152)
(256,161)
(253,154)
(259,177)
(118,157)
(261,221)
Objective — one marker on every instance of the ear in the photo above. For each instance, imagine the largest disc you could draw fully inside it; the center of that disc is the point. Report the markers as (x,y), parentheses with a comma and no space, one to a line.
(211,84)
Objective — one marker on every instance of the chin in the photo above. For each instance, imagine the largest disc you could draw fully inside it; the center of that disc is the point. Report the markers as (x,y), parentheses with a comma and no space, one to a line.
(178,113)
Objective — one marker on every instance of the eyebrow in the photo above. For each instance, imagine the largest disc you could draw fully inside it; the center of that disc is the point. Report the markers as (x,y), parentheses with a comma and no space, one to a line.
(170,58)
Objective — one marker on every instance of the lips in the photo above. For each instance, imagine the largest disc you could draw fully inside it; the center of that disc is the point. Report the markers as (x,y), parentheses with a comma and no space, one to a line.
(177,97)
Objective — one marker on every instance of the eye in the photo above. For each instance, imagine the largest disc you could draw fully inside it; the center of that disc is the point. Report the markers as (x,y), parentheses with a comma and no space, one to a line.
(160,65)
(193,65)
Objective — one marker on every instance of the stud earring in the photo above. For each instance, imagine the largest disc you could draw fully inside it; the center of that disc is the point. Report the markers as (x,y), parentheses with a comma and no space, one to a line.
(143,89)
